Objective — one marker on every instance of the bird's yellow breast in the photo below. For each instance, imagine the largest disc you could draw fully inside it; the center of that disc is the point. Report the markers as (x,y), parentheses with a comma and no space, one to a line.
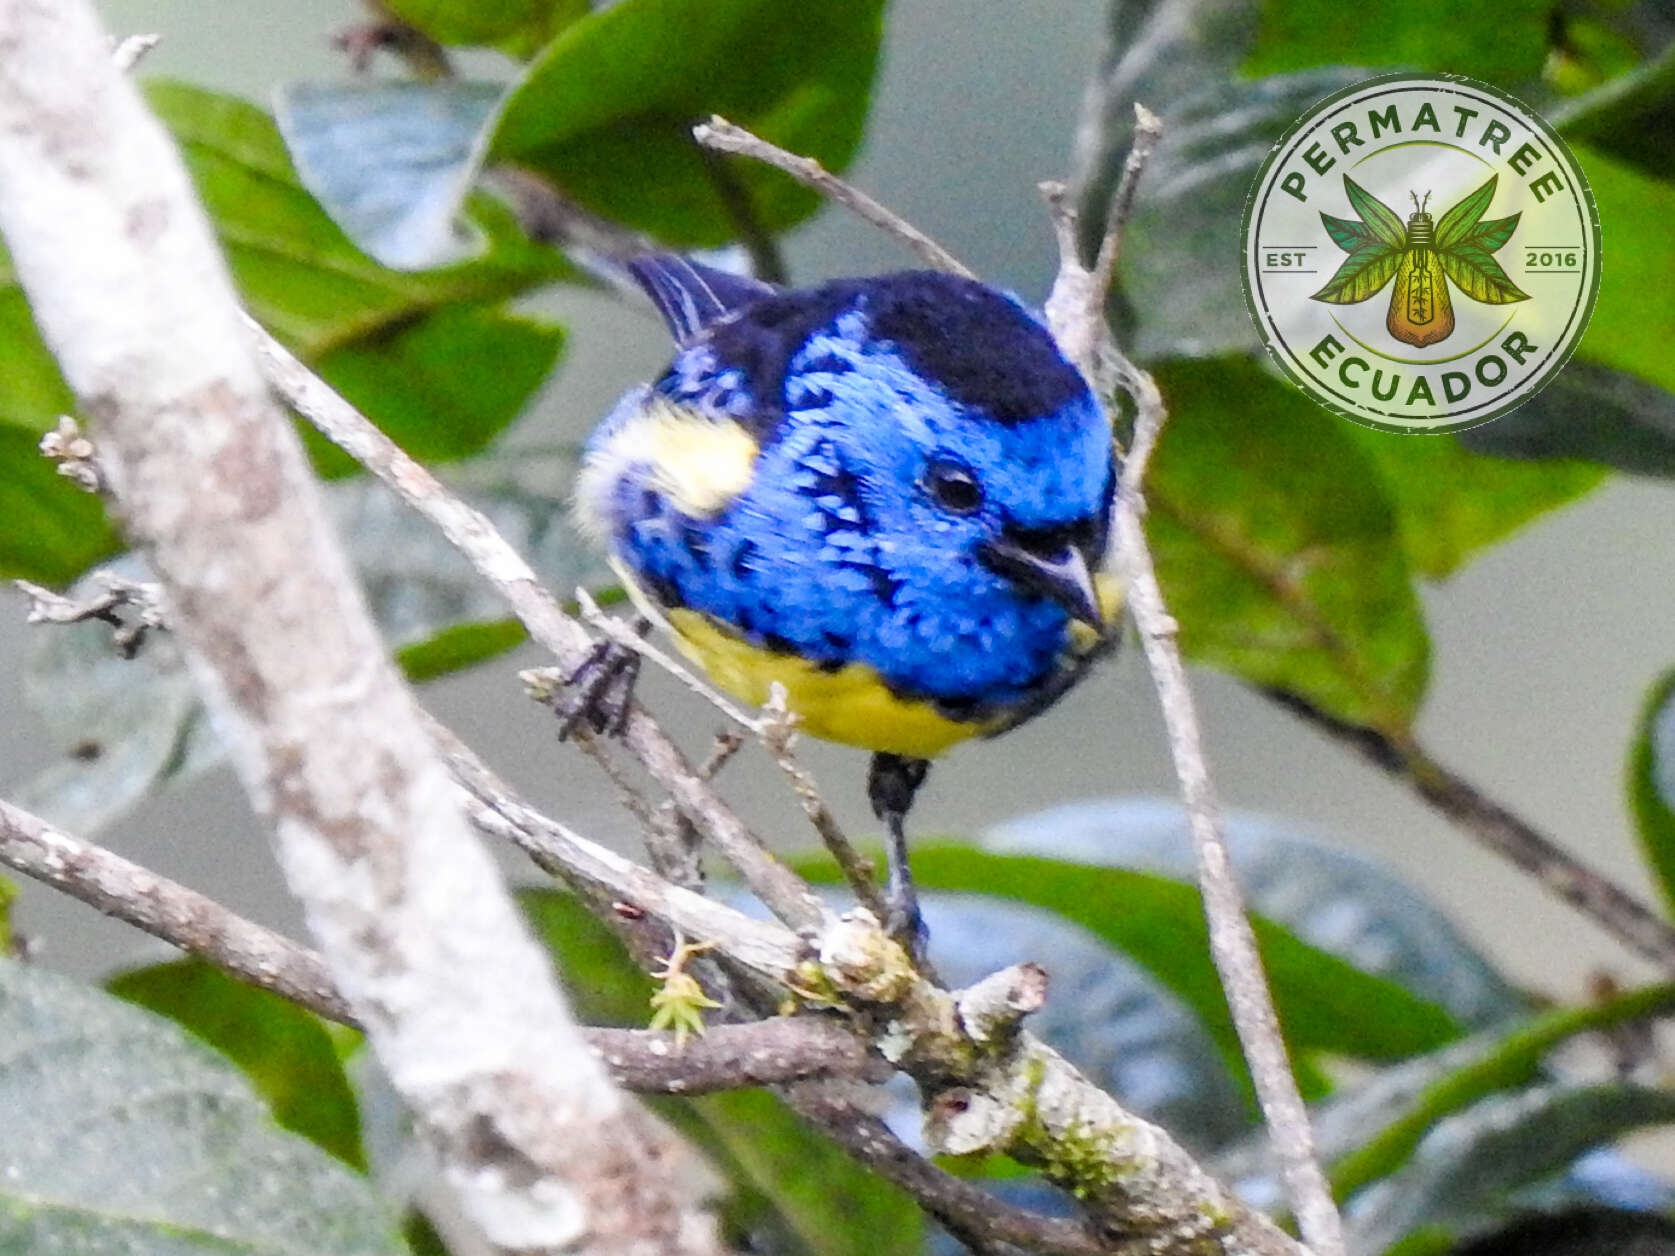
(851,705)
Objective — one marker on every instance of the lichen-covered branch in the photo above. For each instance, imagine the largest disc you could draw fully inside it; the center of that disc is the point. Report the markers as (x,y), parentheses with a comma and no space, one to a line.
(989,1086)
(129,291)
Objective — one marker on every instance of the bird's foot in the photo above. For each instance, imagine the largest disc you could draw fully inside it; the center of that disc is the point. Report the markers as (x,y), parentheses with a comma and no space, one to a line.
(599,693)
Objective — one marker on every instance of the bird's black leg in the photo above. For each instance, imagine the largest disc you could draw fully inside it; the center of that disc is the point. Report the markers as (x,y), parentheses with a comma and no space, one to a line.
(892,782)
(600,692)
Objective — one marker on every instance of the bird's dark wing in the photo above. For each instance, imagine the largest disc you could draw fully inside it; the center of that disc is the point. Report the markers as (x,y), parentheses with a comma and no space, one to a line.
(691,296)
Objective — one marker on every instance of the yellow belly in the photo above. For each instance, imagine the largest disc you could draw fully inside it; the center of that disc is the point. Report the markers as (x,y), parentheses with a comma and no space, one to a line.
(851,705)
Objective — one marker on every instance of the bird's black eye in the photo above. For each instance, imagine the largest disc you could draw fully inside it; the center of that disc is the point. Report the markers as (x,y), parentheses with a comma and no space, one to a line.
(954,487)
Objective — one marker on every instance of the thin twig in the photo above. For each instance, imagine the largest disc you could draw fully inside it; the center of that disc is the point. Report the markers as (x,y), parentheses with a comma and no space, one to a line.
(477,540)
(725,137)
(978,1219)
(779,738)
(1076,314)
(762,946)
(550,217)
(672,842)
(1148,129)
(131,51)
(144,599)
(766,260)
(1596,896)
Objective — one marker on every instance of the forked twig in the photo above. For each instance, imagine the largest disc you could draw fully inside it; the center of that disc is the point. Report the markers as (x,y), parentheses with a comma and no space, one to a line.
(724,137)
(1076,315)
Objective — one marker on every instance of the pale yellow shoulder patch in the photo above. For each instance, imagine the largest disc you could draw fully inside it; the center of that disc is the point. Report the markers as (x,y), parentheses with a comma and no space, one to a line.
(699,461)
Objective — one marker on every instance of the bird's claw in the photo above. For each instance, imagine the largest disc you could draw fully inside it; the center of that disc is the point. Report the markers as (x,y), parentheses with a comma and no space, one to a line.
(600,692)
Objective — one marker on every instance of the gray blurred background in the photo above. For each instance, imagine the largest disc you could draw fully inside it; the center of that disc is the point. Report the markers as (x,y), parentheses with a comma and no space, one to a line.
(1542,648)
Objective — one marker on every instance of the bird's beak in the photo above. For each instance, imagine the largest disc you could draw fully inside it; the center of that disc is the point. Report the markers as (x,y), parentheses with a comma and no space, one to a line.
(1063,575)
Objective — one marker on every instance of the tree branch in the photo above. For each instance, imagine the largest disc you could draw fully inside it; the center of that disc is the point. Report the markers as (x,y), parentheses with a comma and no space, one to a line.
(991,1087)
(769,1052)
(1076,315)
(1594,895)
(128,289)
(181,917)
(979,1220)
(771,881)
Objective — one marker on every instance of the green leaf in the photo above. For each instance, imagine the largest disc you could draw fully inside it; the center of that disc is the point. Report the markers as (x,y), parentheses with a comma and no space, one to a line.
(1461,220)
(1342,902)
(1588,412)
(285,1051)
(1180,59)
(458,647)
(1468,1168)
(445,386)
(1451,503)
(1651,784)
(822,1202)
(356,321)
(606,110)
(124,1134)
(1503,43)
(789,1182)
(1384,222)
(1472,1071)
(1278,550)
(8,896)
(1480,276)
(53,530)
(1362,273)
(32,392)
(1633,320)
(1325,1004)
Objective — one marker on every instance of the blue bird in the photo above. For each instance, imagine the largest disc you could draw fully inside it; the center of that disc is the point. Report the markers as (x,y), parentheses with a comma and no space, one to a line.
(887,494)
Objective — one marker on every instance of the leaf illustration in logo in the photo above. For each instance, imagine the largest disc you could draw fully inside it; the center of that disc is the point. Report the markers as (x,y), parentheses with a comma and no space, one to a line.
(1422,256)
(1494,233)
(1457,223)
(1347,233)
(1384,222)
(1363,273)
(1480,276)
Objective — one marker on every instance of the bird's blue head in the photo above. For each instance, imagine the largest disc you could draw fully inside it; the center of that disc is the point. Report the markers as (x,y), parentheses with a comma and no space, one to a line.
(988,461)
(933,483)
